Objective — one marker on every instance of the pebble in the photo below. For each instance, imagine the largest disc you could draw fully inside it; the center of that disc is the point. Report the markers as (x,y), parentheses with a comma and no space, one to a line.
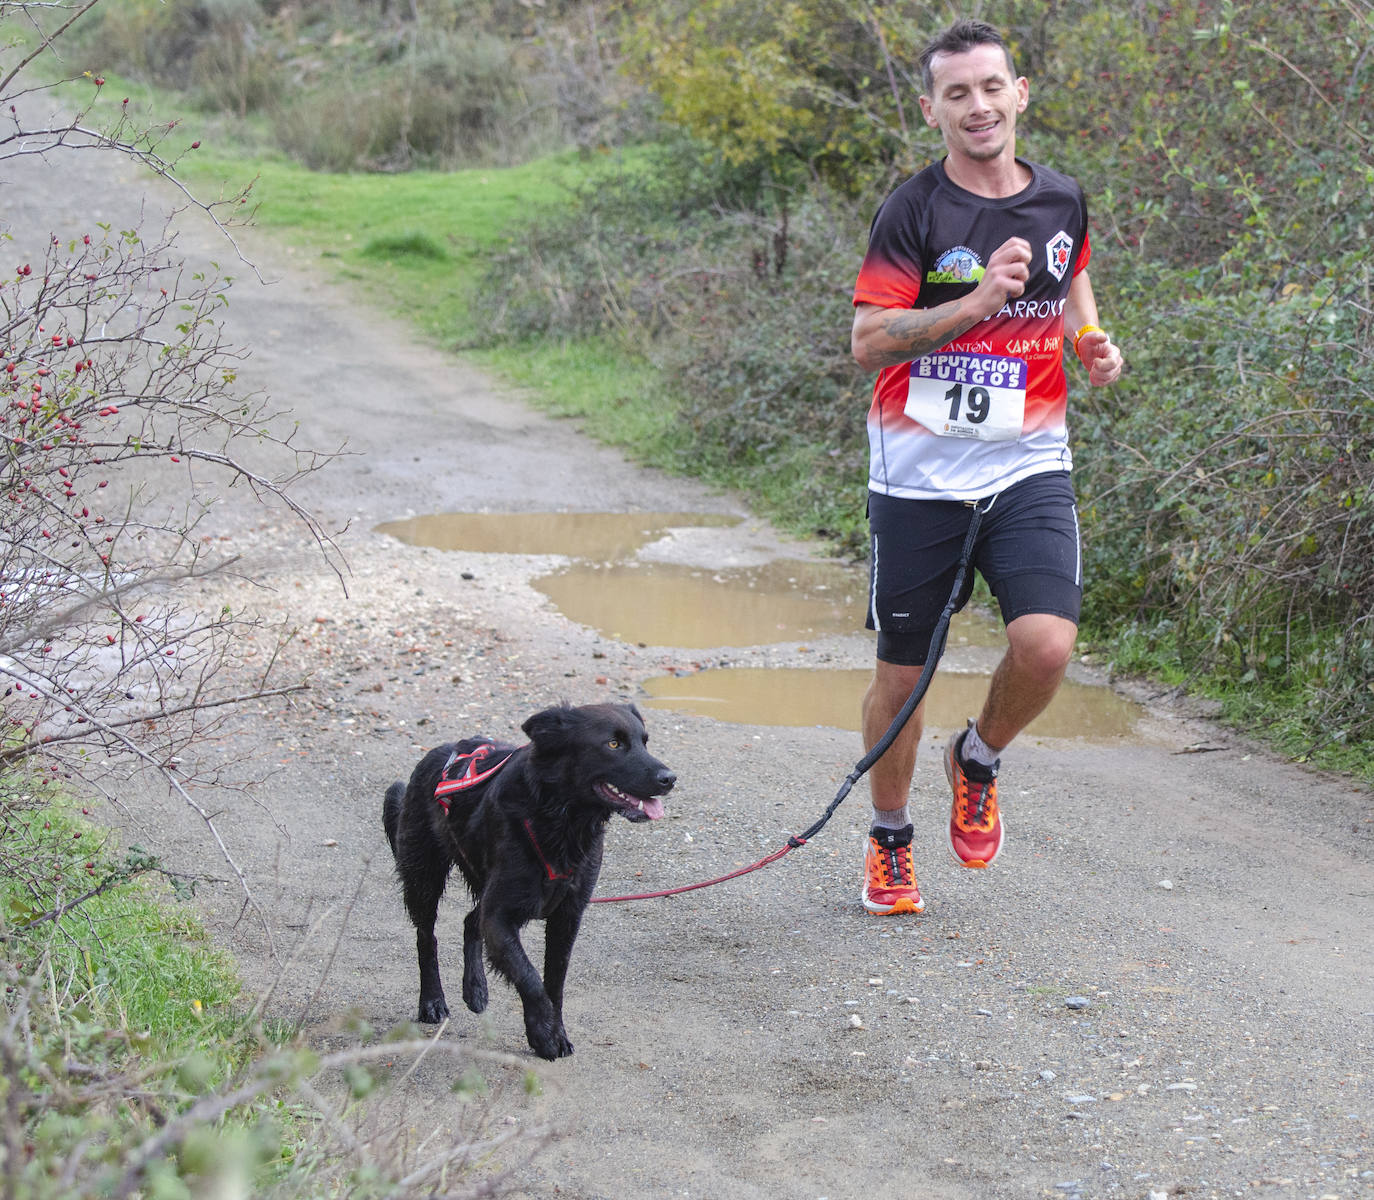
(1167,884)
(855,1021)
(1077,1002)
(1181,1087)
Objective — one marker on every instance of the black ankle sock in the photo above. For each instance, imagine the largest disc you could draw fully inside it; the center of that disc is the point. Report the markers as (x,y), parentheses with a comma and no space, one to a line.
(892,839)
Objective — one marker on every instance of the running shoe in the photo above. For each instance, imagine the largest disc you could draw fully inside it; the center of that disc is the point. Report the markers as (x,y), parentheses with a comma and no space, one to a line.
(889,878)
(975,825)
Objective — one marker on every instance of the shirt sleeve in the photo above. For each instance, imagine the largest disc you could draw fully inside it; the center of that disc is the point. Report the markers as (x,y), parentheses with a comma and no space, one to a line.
(890,276)
(1084,254)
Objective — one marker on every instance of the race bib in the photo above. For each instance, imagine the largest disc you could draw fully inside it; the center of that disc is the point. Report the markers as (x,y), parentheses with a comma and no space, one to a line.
(979,396)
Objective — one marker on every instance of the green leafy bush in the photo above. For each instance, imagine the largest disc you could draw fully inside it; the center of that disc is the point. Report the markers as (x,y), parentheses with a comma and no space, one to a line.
(1226,150)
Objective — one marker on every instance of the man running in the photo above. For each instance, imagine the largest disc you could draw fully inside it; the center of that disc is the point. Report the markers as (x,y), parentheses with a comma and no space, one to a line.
(974,286)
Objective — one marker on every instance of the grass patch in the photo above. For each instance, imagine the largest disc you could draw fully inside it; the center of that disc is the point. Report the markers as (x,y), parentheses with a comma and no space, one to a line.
(120,1012)
(616,398)
(131,957)
(131,1065)
(415,244)
(405,245)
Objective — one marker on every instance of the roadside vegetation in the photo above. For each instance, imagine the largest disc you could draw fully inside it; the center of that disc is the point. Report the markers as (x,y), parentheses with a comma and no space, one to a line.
(130,1064)
(647,216)
(656,226)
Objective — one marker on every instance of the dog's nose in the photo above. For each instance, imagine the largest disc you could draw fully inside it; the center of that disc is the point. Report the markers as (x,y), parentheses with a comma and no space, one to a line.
(666,779)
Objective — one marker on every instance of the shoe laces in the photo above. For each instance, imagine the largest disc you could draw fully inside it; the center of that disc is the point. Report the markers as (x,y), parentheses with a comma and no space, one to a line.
(980,804)
(895,865)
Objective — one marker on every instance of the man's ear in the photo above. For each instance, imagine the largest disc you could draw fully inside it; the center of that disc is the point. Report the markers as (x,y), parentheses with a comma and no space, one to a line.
(928,111)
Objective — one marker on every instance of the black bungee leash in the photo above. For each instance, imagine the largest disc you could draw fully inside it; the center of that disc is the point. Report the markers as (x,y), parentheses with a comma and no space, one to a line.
(881,746)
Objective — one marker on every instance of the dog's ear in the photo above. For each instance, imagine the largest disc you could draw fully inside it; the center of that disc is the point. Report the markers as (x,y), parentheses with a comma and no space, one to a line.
(549,728)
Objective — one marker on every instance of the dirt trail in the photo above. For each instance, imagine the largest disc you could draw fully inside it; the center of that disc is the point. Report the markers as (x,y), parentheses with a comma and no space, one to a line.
(764,1038)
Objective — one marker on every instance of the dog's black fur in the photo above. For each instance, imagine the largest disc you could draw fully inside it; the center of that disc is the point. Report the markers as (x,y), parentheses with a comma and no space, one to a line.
(581,766)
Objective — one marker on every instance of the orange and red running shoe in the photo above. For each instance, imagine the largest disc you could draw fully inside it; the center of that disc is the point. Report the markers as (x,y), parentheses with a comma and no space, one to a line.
(975,825)
(889,876)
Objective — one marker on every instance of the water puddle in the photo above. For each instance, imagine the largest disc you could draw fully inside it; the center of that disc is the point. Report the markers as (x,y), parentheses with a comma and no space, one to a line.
(609,588)
(796,697)
(666,604)
(596,537)
(786,600)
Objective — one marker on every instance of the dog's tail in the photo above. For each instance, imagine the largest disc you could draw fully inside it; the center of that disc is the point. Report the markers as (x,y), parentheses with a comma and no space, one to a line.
(391,811)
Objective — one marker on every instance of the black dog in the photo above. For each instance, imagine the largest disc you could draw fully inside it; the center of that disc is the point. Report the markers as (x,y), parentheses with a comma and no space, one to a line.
(526,828)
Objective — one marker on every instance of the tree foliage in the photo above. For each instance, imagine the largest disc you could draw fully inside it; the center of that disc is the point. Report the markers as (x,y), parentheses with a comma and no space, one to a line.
(1228,154)
(809,89)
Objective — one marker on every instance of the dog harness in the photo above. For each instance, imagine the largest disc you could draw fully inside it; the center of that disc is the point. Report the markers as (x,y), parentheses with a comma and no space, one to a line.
(467,768)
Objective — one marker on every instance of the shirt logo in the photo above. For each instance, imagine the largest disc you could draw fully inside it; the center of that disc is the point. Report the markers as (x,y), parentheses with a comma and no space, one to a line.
(959,265)
(1057,254)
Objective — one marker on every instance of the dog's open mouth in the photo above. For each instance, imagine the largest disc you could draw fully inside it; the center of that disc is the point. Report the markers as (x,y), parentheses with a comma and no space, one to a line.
(633,808)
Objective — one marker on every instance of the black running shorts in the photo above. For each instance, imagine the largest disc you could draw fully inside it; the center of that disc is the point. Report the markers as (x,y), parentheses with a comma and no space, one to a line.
(1027,549)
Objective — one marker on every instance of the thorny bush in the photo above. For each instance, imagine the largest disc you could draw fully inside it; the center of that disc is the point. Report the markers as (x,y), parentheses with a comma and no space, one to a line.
(121,427)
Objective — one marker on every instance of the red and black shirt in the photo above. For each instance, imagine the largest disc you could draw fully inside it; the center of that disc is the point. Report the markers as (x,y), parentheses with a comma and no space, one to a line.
(988,409)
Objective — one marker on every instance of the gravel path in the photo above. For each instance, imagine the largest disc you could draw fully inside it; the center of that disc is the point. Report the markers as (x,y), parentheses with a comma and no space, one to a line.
(1164,987)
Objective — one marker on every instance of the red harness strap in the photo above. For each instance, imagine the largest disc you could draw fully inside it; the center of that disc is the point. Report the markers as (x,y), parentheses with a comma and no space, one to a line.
(534,841)
(466,770)
(463,771)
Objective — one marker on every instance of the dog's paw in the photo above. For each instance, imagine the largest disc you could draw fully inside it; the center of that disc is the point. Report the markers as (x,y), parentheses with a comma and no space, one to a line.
(433,1010)
(549,1041)
(475,994)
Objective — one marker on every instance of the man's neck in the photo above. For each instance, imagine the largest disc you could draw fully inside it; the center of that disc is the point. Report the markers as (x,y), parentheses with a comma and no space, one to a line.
(996,178)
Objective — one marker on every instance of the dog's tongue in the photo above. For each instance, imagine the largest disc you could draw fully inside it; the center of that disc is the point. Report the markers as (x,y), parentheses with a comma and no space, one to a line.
(652,807)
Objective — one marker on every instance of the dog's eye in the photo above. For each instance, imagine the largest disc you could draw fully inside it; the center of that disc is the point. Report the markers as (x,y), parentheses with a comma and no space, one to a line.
(614,743)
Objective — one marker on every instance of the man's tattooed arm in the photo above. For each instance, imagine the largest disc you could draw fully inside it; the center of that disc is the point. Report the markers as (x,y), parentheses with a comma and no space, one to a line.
(883,337)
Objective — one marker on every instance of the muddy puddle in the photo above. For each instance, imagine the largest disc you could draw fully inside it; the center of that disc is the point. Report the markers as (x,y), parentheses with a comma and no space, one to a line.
(666,604)
(593,537)
(609,587)
(801,697)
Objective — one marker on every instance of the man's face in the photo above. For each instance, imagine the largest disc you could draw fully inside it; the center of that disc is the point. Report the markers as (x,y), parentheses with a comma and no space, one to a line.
(974,102)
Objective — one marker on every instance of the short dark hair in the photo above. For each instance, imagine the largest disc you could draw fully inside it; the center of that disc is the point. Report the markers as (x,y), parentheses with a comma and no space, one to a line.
(959,38)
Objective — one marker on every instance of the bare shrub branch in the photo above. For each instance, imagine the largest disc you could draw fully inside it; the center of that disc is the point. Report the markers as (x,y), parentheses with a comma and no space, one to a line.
(122,426)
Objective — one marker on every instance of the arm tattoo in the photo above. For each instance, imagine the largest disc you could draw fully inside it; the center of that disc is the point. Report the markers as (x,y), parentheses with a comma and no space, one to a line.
(920,331)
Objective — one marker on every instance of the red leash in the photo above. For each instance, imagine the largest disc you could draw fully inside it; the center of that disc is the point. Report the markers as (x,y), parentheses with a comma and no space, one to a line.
(792,844)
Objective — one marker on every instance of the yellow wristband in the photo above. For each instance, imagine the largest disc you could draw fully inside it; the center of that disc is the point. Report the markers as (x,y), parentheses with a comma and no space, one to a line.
(1082,331)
